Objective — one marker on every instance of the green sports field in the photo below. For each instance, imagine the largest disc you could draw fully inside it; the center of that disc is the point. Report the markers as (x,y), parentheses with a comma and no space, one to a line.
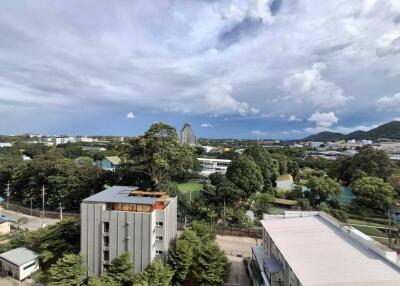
(190,187)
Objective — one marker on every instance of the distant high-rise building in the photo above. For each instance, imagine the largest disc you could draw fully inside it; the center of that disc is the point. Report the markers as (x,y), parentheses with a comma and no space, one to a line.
(187,135)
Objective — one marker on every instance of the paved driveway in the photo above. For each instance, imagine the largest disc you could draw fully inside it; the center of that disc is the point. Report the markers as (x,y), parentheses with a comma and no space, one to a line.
(33,222)
(236,248)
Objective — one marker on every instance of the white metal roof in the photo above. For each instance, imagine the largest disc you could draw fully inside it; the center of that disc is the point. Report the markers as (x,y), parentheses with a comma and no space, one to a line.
(321,255)
(19,256)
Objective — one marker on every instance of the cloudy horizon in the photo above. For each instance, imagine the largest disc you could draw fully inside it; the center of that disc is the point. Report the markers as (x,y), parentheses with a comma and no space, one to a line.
(239,69)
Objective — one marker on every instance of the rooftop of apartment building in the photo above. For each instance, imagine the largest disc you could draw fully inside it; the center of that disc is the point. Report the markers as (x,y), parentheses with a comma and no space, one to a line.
(321,251)
(128,198)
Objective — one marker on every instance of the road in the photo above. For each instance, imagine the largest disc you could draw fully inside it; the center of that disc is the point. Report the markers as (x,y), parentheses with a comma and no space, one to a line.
(236,248)
(33,222)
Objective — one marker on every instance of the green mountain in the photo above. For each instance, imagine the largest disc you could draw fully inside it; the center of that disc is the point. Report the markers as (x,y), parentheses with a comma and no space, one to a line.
(325,136)
(390,130)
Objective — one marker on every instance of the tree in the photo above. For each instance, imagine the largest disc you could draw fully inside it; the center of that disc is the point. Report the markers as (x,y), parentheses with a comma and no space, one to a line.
(394,181)
(180,258)
(195,256)
(68,271)
(51,241)
(262,203)
(322,189)
(157,274)
(121,270)
(246,175)
(375,163)
(211,266)
(269,167)
(372,194)
(159,155)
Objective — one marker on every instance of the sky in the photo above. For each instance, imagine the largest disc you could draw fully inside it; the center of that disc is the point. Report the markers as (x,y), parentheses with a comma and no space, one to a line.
(276,69)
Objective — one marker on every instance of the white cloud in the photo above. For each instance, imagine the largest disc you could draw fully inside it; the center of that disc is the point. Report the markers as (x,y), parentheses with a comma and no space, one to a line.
(309,87)
(220,101)
(389,103)
(253,9)
(294,118)
(326,119)
(130,115)
(206,125)
(389,44)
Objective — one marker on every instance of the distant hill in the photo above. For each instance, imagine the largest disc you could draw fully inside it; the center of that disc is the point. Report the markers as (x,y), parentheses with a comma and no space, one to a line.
(325,136)
(390,130)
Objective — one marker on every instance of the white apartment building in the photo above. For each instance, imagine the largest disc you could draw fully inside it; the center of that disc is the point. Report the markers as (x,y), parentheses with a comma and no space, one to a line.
(125,219)
(64,140)
(210,165)
(312,248)
(314,144)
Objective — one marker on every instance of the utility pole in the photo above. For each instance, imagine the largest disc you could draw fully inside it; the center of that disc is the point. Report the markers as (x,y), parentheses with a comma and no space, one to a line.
(390,229)
(60,211)
(43,206)
(8,193)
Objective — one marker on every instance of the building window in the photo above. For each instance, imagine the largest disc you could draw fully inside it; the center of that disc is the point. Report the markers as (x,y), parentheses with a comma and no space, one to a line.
(30,265)
(106,255)
(106,241)
(159,252)
(159,223)
(160,238)
(106,227)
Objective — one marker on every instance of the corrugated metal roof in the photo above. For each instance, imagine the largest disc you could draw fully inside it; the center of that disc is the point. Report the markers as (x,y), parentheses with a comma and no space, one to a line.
(286,177)
(19,256)
(119,194)
(115,160)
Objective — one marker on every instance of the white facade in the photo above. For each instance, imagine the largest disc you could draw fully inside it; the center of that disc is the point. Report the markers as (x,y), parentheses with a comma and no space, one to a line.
(64,140)
(19,263)
(314,144)
(210,165)
(119,220)
(2,145)
(284,182)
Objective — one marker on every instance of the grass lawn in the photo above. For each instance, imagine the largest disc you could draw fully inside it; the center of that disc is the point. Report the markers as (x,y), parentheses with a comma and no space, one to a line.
(190,187)
(276,211)
(371,231)
(355,221)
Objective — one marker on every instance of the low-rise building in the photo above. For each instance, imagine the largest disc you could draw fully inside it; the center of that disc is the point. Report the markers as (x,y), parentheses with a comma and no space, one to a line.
(312,248)
(110,163)
(210,165)
(284,182)
(19,263)
(5,145)
(125,219)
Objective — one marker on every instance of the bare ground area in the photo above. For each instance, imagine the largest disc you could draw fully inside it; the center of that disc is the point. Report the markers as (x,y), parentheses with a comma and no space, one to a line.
(236,248)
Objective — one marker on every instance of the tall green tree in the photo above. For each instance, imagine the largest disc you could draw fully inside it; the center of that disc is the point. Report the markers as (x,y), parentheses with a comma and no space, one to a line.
(372,194)
(156,274)
(68,271)
(121,270)
(159,154)
(246,175)
(211,267)
(269,166)
(321,189)
(375,163)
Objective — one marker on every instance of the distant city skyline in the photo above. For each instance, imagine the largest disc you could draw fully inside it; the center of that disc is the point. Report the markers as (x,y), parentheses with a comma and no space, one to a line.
(273,69)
